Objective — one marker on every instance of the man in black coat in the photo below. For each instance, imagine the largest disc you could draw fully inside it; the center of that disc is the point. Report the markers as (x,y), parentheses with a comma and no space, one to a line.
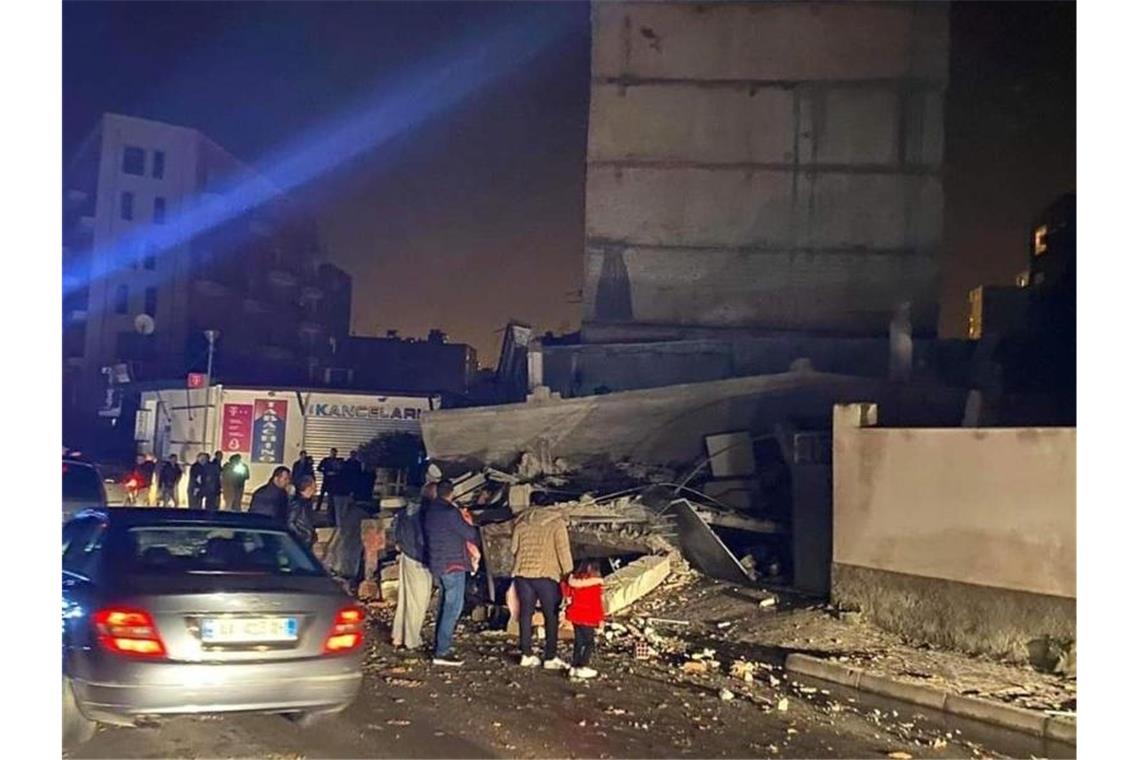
(272,499)
(196,488)
(168,476)
(330,469)
(303,467)
(212,482)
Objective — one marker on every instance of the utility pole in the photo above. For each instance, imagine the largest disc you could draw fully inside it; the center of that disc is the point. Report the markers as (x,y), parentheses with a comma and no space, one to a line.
(211,338)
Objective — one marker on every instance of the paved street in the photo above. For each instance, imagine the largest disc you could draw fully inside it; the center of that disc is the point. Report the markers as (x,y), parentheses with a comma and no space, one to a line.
(492,708)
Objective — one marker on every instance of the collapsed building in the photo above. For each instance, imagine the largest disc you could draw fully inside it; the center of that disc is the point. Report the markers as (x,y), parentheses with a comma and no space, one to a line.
(763,226)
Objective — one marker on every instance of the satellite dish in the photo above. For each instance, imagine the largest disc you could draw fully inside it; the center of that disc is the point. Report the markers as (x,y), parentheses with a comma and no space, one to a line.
(144,324)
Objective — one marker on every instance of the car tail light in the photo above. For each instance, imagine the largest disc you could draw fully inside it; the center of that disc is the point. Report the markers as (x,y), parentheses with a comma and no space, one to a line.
(128,631)
(347,632)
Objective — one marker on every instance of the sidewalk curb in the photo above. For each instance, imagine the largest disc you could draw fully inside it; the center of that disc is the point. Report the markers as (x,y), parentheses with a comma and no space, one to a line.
(987,711)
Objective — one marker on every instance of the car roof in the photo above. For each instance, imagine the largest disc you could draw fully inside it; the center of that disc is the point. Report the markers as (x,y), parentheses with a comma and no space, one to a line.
(79,462)
(155,516)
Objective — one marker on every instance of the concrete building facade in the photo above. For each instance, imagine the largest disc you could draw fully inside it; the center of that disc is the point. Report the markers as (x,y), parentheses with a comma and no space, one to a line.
(763,167)
(253,273)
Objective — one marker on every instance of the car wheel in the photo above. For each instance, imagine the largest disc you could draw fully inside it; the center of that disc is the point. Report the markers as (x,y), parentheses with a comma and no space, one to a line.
(310,718)
(77,728)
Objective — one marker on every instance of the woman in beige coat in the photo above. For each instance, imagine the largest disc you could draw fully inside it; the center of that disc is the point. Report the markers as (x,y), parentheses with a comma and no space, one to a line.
(540,543)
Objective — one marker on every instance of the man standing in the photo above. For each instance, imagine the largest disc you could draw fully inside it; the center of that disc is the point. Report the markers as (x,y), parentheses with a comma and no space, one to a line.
(540,543)
(303,467)
(196,488)
(300,520)
(146,475)
(234,475)
(414,590)
(212,482)
(168,476)
(272,499)
(351,473)
(446,535)
(330,468)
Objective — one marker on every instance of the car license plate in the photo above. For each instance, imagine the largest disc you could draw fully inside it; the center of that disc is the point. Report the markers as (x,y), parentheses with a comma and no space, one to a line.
(248,630)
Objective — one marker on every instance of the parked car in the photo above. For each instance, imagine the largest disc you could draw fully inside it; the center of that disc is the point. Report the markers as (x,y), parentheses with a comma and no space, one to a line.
(173,611)
(82,487)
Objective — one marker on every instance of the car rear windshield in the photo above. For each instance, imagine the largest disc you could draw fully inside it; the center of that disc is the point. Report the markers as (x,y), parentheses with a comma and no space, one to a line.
(81,484)
(213,549)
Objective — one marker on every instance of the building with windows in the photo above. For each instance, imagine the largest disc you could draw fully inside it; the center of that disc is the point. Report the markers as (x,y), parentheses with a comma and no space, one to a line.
(167,235)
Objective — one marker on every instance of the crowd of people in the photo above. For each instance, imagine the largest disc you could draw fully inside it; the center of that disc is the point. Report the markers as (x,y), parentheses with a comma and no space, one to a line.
(289,496)
(437,544)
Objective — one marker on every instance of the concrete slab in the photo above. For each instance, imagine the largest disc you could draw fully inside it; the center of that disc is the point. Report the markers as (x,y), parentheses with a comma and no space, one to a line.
(635,580)
(703,547)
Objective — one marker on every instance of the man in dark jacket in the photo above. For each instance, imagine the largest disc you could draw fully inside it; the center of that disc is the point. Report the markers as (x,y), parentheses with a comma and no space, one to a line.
(329,469)
(351,474)
(196,488)
(212,482)
(272,499)
(168,477)
(414,590)
(146,477)
(303,467)
(300,520)
(446,535)
(234,476)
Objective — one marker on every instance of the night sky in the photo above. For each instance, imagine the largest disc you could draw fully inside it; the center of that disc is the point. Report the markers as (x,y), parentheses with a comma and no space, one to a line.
(477,216)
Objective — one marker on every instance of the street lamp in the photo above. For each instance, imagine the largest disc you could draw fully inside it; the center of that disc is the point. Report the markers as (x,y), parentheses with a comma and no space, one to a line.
(211,339)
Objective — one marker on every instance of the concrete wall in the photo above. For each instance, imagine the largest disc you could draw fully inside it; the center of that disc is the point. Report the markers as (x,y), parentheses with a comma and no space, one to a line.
(765,165)
(579,370)
(983,517)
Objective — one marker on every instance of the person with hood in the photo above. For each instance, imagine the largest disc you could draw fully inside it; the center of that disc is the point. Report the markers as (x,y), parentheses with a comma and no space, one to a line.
(414,590)
(272,499)
(540,543)
(446,535)
(300,517)
(234,476)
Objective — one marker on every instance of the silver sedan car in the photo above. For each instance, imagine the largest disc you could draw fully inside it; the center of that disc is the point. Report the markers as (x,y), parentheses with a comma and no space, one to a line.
(174,611)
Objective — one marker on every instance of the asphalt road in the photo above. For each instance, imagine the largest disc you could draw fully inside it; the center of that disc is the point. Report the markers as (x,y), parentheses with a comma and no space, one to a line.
(492,708)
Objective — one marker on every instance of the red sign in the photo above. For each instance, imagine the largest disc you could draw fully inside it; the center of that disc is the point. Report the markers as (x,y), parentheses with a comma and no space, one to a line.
(237,427)
(196,380)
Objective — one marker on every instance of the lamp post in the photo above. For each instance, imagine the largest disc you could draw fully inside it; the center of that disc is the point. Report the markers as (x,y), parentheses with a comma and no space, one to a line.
(211,338)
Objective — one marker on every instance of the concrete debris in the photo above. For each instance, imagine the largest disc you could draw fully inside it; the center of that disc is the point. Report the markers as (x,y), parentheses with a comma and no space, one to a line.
(782,705)
(726,695)
(695,667)
(769,602)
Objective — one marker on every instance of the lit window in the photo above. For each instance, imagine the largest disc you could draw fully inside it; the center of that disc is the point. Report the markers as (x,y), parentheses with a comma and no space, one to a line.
(134,161)
(1023,279)
(158,167)
(1039,240)
(127,206)
(151,301)
(122,299)
(159,210)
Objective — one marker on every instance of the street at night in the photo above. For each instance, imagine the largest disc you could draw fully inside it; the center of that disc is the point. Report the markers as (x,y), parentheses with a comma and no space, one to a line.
(492,708)
(591,379)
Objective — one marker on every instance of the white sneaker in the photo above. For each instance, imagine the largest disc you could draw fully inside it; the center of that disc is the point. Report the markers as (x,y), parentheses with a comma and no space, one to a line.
(583,672)
(448,661)
(529,661)
(555,664)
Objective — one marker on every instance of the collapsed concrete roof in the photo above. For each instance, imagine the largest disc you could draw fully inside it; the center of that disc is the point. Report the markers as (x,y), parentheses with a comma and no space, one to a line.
(667,425)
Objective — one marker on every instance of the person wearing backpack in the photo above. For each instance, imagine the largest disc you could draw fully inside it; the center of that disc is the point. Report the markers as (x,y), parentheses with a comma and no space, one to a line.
(414,589)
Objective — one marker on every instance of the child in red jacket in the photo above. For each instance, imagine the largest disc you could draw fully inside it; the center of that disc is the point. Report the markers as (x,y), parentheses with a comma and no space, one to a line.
(584,588)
